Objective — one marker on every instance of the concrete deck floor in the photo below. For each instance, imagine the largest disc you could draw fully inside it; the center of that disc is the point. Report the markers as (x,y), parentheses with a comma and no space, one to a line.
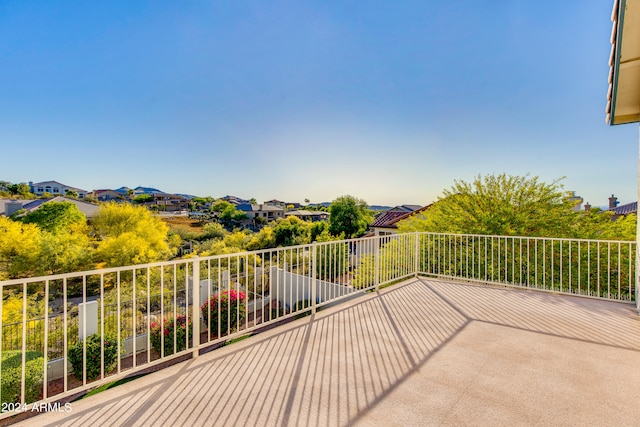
(424,352)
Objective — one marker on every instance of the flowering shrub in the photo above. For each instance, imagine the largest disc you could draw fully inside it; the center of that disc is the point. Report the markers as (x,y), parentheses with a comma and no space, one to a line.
(94,356)
(168,331)
(228,310)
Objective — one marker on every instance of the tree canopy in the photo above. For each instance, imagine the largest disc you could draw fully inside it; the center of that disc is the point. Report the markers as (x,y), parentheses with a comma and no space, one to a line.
(142,198)
(512,206)
(55,216)
(19,248)
(227,213)
(21,190)
(349,216)
(130,235)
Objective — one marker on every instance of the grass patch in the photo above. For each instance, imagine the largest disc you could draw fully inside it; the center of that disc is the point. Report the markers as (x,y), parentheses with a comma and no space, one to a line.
(395,282)
(110,385)
(238,339)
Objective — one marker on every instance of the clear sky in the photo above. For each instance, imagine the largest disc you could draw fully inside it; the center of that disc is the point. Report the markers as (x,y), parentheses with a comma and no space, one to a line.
(389,101)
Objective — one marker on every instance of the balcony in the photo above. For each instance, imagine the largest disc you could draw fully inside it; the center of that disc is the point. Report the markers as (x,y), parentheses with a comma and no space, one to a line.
(402,329)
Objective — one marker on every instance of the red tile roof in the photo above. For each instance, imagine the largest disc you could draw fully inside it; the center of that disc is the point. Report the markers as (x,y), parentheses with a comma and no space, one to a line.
(389,219)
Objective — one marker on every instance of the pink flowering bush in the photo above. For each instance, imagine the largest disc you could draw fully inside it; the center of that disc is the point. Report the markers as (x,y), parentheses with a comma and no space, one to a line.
(228,310)
(168,329)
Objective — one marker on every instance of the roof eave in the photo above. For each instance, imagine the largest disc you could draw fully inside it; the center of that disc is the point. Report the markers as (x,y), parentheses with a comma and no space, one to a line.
(623,96)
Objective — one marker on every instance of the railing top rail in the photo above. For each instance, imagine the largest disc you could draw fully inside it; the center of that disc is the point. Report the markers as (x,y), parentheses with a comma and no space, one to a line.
(185,261)
(564,239)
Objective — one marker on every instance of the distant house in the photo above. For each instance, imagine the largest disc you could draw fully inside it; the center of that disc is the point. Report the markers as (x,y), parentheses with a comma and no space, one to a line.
(235,200)
(146,190)
(88,209)
(126,191)
(621,210)
(55,188)
(574,199)
(170,202)
(268,212)
(312,216)
(387,222)
(107,195)
(281,204)
(275,202)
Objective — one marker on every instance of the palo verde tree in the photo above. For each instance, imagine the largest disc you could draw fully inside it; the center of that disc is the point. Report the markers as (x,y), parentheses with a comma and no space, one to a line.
(498,205)
(19,248)
(130,235)
(53,239)
(349,216)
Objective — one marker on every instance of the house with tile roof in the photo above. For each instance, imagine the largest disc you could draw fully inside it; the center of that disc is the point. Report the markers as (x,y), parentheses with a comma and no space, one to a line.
(55,188)
(626,209)
(234,200)
(166,202)
(621,210)
(268,212)
(107,195)
(387,222)
(311,216)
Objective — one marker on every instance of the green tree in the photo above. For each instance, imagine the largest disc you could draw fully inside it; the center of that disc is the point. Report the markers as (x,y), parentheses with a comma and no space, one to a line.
(596,224)
(142,198)
(319,228)
(350,216)
(213,230)
(291,231)
(21,190)
(227,214)
(55,216)
(498,205)
(516,206)
(197,203)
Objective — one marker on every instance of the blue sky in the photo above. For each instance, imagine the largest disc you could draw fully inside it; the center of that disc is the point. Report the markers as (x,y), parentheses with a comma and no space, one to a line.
(387,101)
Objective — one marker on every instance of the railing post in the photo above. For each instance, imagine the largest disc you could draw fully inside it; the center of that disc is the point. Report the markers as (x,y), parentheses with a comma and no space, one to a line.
(417,254)
(637,275)
(314,249)
(195,313)
(376,262)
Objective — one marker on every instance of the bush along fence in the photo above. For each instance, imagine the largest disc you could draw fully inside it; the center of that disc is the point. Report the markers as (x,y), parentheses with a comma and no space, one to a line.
(66,333)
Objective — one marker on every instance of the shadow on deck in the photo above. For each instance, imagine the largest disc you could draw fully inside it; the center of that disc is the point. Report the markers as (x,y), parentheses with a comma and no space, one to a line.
(424,352)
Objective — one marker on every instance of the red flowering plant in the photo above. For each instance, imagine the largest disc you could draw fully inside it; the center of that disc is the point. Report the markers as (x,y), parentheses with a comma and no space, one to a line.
(170,328)
(227,310)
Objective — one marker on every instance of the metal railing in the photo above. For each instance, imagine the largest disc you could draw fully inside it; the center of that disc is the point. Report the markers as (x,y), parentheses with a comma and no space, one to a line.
(171,309)
(595,268)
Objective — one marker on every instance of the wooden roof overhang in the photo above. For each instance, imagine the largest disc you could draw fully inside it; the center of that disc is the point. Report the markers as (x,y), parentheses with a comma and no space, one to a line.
(623,98)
